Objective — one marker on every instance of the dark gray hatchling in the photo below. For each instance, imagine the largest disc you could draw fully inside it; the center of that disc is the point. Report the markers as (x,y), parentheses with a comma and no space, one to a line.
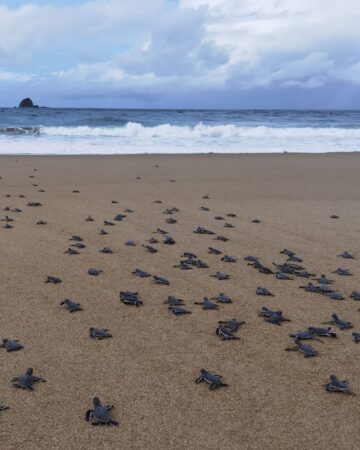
(232,324)
(324,332)
(210,378)
(264,291)
(27,380)
(342,271)
(130,298)
(100,414)
(225,333)
(220,276)
(94,272)
(307,350)
(106,250)
(207,304)
(11,345)
(53,280)
(228,259)
(336,385)
(141,273)
(71,305)
(347,255)
(355,295)
(99,333)
(174,301)
(3,407)
(161,280)
(222,298)
(178,310)
(342,324)
(356,337)
(304,335)
(71,251)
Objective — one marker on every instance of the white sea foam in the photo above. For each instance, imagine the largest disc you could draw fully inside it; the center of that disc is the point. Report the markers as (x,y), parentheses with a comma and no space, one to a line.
(134,138)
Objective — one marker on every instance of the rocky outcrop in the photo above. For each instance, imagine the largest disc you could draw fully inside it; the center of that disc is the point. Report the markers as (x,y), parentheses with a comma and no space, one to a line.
(27,103)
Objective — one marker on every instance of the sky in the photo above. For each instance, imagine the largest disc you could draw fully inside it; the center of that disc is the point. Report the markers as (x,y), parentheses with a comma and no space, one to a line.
(256,54)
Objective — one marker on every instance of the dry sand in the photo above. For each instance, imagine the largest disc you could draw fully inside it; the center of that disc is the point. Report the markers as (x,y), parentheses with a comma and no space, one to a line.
(275,399)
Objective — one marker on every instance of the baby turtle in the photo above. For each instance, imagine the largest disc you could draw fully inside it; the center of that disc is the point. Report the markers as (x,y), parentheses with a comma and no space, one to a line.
(324,280)
(220,276)
(225,333)
(141,273)
(41,222)
(4,408)
(178,310)
(229,259)
(99,333)
(71,305)
(336,385)
(310,287)
(34,204)
(94,272)
(100,415)
(342,324)
(71,251)
(103,232)
(161,280)
(282,276)
(221,238)
(201,264)
(229,225)
(202,230)
(107,223)
(325,332)
(347,255)
(54,280)
(171,221)
(342,272)
(150,249)
(304,335)
(78,245)
(222,298)
(334,295)
(274,317)
(232,324)
(27,380)
(334,216)
(355,295)
(89,219)
(11,345)
(130,243)
(106,250)
(264,291)
(169,241)
(130,298)
(250,258)
(120,217)
(214,251)
(356,337)
(76,238)
(307,350)
(174,301)
(212,379)
(207,304)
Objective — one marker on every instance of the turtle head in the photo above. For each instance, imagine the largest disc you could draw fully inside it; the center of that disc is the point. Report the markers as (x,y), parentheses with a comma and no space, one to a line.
(96,401)
(5,340)
(91,331)
(29,371)
(333,378)
(203,371)
(334,316)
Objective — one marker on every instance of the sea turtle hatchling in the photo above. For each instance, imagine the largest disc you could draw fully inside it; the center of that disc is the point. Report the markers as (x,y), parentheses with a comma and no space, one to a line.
(106,250)
(228,259)
(3,407)
(207,304)
(336,385)
(214,251)
(220,276)
(307,350)
(27,380)
(178,310)
(225,333)
(347,255)
(232,324)
(53,280)
(99,333)
(304,335)
(141,273)
(169,241)
(71,305)
(94,272)
(71,251)
(173,301)
(355,295)
(222,298)
(356,337)
(11,345)
(100,415)
(130,298)
(210,378)
(325,332)
(264,291)
(343,272)
(161,280)
(342,324)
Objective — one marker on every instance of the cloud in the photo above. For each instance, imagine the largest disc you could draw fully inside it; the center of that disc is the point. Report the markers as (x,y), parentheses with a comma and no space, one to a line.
(188,48)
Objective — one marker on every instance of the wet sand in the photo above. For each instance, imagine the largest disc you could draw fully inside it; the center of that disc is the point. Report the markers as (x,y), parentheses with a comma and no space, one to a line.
(275,399)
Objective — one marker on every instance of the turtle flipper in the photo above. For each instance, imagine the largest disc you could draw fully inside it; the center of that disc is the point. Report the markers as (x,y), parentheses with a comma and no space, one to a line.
(88,414)
(113,423)
(199,380)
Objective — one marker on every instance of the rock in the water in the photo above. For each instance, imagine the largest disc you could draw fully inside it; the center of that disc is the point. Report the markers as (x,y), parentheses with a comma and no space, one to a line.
(27,103)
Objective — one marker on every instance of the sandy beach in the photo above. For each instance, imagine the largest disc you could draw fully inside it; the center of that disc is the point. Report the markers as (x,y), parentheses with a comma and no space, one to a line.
(274,399)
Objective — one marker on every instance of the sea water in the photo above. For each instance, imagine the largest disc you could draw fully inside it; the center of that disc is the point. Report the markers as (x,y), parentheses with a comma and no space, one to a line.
(122,131)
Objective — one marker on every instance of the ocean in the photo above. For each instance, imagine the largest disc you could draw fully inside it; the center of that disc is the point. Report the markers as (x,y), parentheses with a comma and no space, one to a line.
(121,131)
